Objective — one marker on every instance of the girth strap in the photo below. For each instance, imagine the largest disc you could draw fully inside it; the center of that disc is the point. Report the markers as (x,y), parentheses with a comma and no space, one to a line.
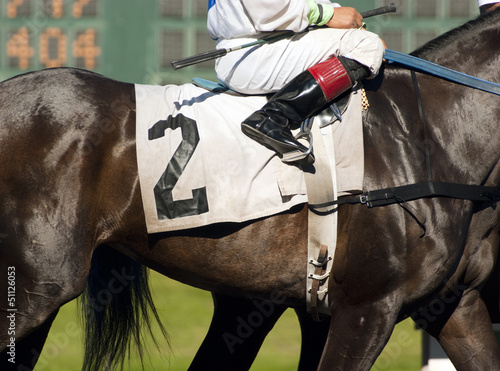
(388,196)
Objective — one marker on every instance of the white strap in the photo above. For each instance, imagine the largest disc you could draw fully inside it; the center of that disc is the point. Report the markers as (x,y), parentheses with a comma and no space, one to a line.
(321,188)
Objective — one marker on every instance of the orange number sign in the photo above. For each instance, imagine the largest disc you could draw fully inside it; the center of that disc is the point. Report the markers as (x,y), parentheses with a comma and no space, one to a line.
(53,41)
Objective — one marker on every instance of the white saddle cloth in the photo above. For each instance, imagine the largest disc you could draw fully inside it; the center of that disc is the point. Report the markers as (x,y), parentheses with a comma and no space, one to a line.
(191,149)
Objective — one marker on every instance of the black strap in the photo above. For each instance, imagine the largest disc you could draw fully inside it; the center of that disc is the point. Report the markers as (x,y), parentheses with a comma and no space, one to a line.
(388,196)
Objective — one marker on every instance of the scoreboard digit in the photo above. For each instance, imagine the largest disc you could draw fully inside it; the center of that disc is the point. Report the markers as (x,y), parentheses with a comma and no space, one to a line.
(20,51)
(85,49)
(79,6)
(17,8)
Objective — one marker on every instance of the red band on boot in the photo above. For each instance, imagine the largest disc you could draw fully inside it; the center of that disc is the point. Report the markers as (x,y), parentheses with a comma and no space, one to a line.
(332,77)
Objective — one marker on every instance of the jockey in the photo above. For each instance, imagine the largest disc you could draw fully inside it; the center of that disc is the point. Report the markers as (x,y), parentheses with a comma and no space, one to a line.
(305,71)
(486,5)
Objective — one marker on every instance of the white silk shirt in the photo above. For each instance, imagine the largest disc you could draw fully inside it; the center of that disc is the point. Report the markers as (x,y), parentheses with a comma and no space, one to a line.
(268,67)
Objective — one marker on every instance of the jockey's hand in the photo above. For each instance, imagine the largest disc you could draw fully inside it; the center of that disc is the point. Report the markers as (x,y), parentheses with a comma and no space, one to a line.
(345,17)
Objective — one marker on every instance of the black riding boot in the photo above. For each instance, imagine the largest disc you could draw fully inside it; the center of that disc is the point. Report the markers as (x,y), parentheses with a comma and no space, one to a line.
(306,95)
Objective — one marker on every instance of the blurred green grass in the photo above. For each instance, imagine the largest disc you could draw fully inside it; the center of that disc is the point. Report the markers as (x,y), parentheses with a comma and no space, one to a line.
(186,313)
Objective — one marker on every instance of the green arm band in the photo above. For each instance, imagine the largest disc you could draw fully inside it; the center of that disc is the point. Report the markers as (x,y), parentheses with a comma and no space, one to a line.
(319,13)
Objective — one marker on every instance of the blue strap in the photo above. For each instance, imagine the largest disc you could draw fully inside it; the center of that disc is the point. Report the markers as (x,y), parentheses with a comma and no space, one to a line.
(436,70)
(215,87)
(210,85)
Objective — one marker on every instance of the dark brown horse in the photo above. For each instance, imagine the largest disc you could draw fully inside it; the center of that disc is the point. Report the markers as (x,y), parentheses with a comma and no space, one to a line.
(71,205)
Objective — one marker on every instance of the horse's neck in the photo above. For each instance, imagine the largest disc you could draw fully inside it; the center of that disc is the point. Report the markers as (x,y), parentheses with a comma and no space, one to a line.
(456,132)
(461,135)
(473,48)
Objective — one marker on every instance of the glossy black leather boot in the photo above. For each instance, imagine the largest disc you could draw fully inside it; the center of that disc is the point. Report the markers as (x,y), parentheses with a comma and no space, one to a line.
(303,97)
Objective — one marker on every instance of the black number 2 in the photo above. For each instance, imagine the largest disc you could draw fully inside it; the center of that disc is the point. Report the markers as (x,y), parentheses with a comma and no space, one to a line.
(166,207)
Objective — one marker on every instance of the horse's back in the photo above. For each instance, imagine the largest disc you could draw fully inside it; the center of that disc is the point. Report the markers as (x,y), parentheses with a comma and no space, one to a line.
(60,92)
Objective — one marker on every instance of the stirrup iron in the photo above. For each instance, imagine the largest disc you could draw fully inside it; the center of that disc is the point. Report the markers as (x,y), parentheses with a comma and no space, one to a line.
(305,133)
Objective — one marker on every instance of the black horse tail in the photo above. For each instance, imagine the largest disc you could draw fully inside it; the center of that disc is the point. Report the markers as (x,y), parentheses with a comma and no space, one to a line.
(116,307)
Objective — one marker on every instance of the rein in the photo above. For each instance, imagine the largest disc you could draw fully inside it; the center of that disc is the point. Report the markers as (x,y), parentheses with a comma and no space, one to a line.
(421,65)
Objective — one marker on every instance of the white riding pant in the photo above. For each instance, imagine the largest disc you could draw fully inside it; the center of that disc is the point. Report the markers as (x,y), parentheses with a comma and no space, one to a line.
(266,68)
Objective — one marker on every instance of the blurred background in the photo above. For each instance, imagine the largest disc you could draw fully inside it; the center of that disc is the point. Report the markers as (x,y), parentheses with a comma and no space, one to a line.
(135,41)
